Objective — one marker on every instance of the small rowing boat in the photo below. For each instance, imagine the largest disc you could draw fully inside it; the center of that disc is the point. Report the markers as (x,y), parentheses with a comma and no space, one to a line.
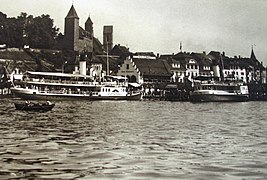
(30,106)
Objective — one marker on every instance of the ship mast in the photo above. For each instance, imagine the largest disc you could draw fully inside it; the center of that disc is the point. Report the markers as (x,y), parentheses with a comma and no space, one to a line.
(222,74)
(107,59)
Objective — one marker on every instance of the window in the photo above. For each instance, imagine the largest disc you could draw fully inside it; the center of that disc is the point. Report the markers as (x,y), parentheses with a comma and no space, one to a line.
(127,66)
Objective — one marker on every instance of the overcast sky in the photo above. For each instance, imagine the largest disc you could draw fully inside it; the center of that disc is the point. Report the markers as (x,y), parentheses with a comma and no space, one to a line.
(159,26)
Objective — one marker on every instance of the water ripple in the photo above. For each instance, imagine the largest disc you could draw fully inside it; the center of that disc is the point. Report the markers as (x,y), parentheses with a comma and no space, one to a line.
(134,140)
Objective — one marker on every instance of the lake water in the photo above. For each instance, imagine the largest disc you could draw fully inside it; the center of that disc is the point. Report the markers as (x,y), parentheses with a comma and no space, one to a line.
(134,140)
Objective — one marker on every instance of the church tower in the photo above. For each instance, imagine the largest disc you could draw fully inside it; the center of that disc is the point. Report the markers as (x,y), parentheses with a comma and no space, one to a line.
(71,30)
(89,27)
(108,38)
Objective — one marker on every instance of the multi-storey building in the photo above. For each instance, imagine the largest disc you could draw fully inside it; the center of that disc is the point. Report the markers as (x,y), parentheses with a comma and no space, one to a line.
(238,68)
(145,71)
(205,64)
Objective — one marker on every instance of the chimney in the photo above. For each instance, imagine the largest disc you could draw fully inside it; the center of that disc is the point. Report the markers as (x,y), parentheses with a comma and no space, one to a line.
(223,53)
(83,67)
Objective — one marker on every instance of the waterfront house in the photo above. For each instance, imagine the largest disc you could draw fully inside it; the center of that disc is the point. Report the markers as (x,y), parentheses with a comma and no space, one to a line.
(178,69)
(148,71)
(205,64)
(239,68)
(191,65)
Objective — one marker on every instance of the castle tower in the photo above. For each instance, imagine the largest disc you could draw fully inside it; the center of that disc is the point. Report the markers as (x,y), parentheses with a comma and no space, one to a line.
(108,37)
(89,27)
(71,30)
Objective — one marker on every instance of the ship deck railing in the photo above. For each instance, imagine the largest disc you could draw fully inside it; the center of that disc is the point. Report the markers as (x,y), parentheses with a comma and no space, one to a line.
(92,83)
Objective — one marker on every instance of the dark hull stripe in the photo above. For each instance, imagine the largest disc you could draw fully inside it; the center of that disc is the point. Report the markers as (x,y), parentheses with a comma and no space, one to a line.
(218,98)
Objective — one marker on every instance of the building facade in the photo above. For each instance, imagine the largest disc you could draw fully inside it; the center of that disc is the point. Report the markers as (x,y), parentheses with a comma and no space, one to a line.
(145,71)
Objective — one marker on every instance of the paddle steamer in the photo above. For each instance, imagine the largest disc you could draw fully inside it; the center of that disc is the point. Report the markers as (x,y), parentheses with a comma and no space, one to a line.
(63,86)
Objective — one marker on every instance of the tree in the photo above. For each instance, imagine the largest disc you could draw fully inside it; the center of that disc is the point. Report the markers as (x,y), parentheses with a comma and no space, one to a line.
(3,30)
(42,32)
(14,36)
(38,32)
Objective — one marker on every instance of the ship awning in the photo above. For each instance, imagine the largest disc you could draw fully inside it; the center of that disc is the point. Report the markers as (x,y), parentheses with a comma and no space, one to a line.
(116,77)
(58,74)
(134,84)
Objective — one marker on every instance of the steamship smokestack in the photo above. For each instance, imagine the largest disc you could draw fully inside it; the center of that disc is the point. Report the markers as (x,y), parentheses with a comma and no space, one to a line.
(83,68)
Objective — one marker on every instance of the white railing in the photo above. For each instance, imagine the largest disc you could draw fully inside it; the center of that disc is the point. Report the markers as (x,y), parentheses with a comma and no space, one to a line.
(62,82)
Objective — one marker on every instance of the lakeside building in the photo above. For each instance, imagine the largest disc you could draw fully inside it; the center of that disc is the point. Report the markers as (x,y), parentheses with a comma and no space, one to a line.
(205,64)
(178,69)
(247,70)
(145,70)
(187,66)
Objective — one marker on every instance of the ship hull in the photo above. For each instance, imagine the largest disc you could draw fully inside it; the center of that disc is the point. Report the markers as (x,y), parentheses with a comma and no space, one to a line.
(218,98)
(35,95)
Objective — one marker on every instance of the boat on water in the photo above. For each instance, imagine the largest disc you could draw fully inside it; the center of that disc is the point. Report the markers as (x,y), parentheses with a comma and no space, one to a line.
(65,86)
(219,92)
(30,106)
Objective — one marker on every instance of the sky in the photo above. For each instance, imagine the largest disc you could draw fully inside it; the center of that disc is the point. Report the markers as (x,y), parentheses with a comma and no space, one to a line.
(158,26)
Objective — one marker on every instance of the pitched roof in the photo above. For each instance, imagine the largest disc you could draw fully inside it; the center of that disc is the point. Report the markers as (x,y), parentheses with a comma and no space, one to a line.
(182,55)
(202,59)
(151,54)
(72,13)
(153,67)
(171,61)
(120,51)
(166,56)
(214,54)
(98,47)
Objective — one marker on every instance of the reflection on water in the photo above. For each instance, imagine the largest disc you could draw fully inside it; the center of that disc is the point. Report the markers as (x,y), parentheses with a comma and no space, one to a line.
(134,140)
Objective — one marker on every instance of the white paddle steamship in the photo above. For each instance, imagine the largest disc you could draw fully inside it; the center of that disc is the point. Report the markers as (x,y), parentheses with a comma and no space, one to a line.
(62,86)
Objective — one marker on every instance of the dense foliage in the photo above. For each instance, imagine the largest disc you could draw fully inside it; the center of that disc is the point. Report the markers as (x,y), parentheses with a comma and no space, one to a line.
(36,32)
